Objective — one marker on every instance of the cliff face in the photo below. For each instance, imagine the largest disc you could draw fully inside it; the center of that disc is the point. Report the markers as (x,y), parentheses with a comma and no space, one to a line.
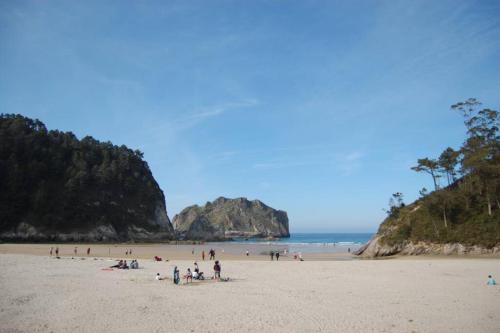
(55,187)
(227,218)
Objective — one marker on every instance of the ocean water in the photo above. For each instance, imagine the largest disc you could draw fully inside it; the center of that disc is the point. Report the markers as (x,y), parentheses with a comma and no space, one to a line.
(314,242)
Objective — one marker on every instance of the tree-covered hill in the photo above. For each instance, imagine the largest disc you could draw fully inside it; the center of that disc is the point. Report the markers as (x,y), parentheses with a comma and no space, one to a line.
(463,214)
(56,187)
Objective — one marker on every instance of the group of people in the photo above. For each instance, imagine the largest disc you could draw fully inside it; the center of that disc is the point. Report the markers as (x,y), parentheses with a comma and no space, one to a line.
(122,264)
(56,251)
(211,253)
(275,254)
(196,274)
(75,251)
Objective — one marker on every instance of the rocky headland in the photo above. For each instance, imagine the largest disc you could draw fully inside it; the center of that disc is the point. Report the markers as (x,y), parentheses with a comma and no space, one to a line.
(55,187)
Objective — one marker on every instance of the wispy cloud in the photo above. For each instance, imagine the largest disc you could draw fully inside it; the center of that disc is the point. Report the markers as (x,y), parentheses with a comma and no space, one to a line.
(346,163)
(349,163)
(281,165)
(217,110)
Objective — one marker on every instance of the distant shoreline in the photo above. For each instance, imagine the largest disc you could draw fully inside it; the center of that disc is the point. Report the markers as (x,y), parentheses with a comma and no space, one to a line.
(224,251)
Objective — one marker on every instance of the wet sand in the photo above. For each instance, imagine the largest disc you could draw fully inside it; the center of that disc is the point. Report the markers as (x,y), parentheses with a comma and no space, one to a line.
(224,251)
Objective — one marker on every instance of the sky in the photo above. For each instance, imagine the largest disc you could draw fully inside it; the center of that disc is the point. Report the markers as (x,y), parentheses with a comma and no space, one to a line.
(318,108)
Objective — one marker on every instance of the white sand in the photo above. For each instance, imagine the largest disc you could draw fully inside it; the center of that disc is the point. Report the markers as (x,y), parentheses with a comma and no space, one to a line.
(41,294)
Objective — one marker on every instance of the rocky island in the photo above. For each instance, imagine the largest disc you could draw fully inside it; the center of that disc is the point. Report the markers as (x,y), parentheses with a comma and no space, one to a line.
(55,187)
(225,218)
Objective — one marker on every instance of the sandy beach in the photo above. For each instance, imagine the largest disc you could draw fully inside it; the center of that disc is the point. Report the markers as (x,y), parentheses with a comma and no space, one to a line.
(44,294)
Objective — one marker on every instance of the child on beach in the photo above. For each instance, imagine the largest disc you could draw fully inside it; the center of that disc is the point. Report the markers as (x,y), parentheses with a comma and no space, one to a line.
(189,275)
(217,270)
(491,281)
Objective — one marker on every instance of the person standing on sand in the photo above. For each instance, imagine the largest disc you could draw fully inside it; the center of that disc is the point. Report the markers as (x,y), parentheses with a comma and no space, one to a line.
(272,255)
(247,253)
(277,255)
(88,251)
(212,254)
(51,251)
(217,270)
(176,275)
(130,251)
(57,252)
(203,255)
(75,250)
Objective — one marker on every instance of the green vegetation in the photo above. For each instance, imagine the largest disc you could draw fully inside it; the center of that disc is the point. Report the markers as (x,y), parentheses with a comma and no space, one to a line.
(467,209)
(57,183)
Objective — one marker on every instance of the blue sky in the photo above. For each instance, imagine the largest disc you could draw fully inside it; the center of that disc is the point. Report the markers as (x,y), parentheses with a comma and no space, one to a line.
(318,108)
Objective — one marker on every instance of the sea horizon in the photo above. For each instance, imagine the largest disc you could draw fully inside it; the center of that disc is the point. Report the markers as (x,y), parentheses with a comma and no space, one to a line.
(313,242)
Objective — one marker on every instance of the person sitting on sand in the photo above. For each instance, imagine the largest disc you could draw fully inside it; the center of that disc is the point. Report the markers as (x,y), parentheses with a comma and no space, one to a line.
(157,258)
(197,275)
(176,275)
(134,264)
(118,265)
(491,281)
(158,277)
(217,270)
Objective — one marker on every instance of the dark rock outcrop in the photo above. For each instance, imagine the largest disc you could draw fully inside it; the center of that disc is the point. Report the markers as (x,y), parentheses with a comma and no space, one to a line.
(54,187)
(227,218)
